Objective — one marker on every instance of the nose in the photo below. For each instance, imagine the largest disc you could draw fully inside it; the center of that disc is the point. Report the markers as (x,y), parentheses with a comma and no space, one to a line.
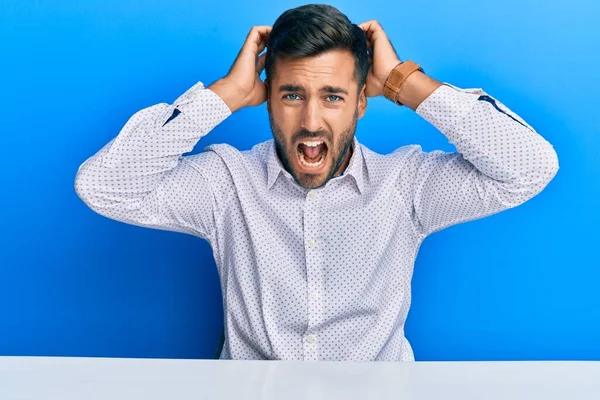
(311,116)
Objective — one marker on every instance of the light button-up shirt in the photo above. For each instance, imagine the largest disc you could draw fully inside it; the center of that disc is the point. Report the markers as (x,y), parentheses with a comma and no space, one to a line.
(320,274)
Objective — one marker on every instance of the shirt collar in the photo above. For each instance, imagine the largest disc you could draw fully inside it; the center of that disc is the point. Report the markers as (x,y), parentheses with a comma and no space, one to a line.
(355,167)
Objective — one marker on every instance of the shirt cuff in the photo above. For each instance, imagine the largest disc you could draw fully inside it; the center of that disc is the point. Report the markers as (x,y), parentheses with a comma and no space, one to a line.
(203,106)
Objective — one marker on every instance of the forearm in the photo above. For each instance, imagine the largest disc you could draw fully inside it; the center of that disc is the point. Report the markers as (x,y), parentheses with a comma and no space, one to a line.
(500,161)
(229,93)
(150,144)
(417,88)
(490,136)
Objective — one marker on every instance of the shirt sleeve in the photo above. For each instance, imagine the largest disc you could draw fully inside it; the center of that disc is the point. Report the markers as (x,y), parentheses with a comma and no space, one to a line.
(141,176)
(500,162)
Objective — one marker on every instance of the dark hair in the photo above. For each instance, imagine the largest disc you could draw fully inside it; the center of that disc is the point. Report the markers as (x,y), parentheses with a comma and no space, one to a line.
(312,29)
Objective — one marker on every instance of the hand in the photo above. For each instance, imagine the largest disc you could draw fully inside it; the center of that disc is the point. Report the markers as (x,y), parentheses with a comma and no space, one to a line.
(382,57)
(242,86)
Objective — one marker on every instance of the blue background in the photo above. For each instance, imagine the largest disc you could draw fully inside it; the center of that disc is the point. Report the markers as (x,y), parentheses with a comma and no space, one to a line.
(522,284)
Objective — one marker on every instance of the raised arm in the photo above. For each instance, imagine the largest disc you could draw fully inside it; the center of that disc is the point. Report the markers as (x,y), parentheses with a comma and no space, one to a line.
(500,161)
(141,176)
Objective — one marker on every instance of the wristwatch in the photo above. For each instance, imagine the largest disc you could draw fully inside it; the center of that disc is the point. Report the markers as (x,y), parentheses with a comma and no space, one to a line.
(396,79)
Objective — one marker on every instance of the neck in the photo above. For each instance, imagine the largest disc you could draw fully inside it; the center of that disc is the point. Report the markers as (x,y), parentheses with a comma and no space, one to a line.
(346,161)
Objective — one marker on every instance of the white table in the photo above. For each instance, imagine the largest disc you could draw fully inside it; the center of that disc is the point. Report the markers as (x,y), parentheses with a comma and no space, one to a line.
(66,378)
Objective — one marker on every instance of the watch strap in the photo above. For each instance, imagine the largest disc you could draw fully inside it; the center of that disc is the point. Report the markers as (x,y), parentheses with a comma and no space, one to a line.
(396,79)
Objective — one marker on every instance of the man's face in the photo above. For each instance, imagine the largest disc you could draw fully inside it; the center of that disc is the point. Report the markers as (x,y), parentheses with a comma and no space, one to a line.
(313,109)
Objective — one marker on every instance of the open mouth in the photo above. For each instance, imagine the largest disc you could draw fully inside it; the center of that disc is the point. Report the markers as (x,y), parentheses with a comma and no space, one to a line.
(311,155)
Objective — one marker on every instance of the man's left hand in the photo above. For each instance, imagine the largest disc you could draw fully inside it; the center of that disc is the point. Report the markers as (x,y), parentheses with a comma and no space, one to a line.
(382,57)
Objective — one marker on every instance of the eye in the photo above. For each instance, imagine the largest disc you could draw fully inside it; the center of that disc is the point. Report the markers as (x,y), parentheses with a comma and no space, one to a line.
(287,96)
(337,97)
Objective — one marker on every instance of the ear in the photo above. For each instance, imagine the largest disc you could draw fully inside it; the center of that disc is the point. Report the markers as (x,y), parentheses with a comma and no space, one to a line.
(362,102)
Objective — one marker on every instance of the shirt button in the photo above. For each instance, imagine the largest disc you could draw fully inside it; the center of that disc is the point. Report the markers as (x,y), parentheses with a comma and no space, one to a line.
(315,295)
(310,339)
(312,195)
(312,243)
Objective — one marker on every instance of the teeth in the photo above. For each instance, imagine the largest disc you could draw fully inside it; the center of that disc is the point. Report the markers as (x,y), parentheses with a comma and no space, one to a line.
(312,143)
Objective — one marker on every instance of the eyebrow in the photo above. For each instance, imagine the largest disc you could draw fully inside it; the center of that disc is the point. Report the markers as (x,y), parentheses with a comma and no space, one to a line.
(299,88)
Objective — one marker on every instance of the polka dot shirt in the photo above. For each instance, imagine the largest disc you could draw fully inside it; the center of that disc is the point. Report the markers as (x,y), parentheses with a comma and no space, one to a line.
(318,274)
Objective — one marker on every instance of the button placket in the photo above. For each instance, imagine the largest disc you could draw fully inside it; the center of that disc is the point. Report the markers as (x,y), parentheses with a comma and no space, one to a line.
(314,273)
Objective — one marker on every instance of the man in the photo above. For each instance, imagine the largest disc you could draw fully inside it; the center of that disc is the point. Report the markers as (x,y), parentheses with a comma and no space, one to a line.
(314,235)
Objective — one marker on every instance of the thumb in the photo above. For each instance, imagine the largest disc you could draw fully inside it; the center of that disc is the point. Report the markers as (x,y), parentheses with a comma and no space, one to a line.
(260,63)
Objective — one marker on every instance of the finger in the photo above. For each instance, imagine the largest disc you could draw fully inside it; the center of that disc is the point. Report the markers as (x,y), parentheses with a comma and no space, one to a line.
(373,31)
(260,63)
(370,42)
(380,44)
(261,47)
(368,27)
(364,25)
(257,37)
(264,40)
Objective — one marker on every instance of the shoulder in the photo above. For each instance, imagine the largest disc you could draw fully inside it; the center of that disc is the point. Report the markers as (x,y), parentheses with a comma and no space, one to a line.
(226,155)
(384,166)
(224,164)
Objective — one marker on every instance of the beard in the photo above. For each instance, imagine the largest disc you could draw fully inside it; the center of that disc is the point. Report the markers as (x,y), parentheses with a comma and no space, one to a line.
(335,156)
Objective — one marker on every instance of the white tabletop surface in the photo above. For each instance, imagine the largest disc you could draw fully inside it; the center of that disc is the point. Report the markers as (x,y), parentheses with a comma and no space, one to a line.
(66,378)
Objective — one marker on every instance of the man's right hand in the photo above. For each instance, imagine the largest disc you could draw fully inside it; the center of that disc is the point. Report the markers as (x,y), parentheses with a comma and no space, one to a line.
(242,86)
